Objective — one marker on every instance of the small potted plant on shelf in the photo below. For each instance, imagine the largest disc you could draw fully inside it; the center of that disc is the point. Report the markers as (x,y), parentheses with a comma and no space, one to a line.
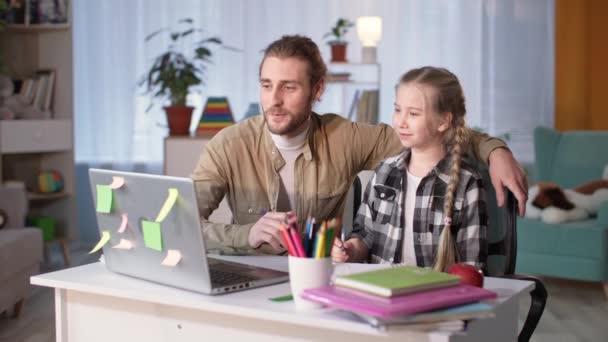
(337,42)
(175,71)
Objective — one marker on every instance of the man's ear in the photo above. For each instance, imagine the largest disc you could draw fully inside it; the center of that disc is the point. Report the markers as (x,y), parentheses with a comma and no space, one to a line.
(317,90)
(445,122)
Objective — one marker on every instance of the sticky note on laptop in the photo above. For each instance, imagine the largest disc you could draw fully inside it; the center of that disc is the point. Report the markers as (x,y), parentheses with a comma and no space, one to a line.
(172,258)
(104,198)
(152,235)
(105,237)
(169,202)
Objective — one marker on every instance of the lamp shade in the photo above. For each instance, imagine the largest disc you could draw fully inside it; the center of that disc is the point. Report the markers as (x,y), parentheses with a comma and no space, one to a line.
(369,30)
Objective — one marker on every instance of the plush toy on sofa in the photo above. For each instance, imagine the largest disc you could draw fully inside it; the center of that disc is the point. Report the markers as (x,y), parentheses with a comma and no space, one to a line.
(552,204)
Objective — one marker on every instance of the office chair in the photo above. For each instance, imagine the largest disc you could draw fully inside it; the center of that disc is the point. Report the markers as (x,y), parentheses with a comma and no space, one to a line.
(502,251)
(502,247)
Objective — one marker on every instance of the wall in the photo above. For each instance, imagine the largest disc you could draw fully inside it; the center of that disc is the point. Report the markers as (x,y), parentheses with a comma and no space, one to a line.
(581,71)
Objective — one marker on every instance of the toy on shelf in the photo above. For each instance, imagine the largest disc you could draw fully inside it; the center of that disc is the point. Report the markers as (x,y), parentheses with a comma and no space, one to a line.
(49,181)
(216,115)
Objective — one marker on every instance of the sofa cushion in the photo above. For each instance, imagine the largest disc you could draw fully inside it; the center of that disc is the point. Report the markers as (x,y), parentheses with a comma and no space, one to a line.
(577,239)
(19,249)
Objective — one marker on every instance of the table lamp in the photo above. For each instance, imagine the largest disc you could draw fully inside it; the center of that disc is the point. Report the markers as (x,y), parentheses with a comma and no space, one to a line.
(369,30)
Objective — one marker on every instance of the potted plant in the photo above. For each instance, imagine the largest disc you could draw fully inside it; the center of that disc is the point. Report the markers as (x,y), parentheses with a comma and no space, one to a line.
(176,70)
(337,42)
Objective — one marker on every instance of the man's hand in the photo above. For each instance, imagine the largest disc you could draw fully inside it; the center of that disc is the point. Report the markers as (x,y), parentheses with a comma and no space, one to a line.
(506,171)
(266,230)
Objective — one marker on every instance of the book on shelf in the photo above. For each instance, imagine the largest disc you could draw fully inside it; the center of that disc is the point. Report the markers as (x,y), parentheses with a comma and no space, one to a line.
(38,90)
(338,77)
(367,106)
(396,307)
(397,280)
(353,106)
(464,312)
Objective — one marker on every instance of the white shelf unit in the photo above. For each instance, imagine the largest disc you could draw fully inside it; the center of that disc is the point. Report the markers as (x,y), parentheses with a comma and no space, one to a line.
(339,96)
(30,146)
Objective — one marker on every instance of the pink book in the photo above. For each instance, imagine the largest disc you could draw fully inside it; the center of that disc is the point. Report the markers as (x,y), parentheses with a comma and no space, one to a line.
(360,302)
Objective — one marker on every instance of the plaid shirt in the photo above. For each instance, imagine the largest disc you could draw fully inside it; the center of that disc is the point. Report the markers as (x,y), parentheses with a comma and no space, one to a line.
(380,221)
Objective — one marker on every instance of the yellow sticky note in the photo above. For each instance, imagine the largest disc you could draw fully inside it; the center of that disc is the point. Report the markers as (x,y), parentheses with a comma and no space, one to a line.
(152,235)
(104,199)
(105,237)
(169,202)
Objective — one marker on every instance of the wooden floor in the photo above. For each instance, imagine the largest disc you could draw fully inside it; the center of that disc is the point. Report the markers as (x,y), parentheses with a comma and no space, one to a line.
(575,311)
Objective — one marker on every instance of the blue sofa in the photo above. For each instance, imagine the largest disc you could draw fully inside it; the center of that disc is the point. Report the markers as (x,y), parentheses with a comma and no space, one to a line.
(578,249)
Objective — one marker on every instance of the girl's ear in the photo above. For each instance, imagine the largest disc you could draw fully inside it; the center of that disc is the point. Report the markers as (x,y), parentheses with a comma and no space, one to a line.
(445,122)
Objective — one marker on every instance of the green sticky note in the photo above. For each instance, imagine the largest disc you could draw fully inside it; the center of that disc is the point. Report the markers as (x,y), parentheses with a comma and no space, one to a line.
(104,198)
(152,235)
(282,299)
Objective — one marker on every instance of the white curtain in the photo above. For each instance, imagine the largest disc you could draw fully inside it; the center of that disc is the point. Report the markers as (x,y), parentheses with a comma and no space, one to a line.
(502,50)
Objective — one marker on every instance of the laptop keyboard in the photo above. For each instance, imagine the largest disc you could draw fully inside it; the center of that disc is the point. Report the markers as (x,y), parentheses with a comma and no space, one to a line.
(221,278)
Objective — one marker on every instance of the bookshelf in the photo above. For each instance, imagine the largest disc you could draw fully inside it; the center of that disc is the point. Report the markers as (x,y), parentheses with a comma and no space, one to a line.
(346,88)
(30,146)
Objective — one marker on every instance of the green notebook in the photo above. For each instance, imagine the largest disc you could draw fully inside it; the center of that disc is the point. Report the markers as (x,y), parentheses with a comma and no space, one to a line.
(397,280)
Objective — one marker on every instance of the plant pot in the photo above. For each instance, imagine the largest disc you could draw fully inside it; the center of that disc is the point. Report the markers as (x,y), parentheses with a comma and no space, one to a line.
(338,52)
(178,118)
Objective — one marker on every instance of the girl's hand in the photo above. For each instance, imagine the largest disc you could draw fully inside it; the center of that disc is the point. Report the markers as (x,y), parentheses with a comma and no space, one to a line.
(341,251)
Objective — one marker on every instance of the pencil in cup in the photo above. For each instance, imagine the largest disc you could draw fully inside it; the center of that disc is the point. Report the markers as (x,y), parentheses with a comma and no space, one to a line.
(291,249)
(297,242)
(321,237)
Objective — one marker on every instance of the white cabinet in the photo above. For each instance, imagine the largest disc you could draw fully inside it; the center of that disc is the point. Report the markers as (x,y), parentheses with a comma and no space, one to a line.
(30,146)
(180,158)
(27,136)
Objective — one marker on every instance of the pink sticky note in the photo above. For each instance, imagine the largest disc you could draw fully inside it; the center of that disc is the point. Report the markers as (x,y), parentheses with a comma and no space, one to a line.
(117,182)
(123,224)
(124,244)
(172,258)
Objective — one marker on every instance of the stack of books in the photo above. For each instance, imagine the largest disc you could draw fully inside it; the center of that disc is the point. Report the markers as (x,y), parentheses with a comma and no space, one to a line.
(404,295)
(37,91)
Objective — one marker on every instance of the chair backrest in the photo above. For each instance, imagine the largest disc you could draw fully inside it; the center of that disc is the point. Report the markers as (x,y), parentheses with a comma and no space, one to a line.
(569,158)
(13,202)
(502,229)
(502,222)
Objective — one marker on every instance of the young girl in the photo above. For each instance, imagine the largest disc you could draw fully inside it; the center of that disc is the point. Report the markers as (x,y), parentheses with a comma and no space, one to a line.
(424,206)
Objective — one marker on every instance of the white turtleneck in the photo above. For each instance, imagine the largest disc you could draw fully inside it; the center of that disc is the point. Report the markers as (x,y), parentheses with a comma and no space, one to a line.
(290,148)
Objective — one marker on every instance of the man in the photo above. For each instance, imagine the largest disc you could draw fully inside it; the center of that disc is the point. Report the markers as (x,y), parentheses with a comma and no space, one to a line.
(291,163)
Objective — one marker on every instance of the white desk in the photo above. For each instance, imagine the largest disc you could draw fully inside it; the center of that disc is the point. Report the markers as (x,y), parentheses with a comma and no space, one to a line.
(93,304)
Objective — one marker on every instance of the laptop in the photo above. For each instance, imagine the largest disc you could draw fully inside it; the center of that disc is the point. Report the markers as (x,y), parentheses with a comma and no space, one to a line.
(141,198)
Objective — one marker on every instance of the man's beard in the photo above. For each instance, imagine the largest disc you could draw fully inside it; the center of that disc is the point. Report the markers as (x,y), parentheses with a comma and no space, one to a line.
(297,120)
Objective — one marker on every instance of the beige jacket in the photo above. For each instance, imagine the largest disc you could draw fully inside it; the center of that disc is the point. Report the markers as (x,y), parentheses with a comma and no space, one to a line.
(242,162)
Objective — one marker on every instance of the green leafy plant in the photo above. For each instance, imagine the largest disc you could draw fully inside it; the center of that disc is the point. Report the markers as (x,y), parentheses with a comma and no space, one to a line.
(338,31)
(181,66)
